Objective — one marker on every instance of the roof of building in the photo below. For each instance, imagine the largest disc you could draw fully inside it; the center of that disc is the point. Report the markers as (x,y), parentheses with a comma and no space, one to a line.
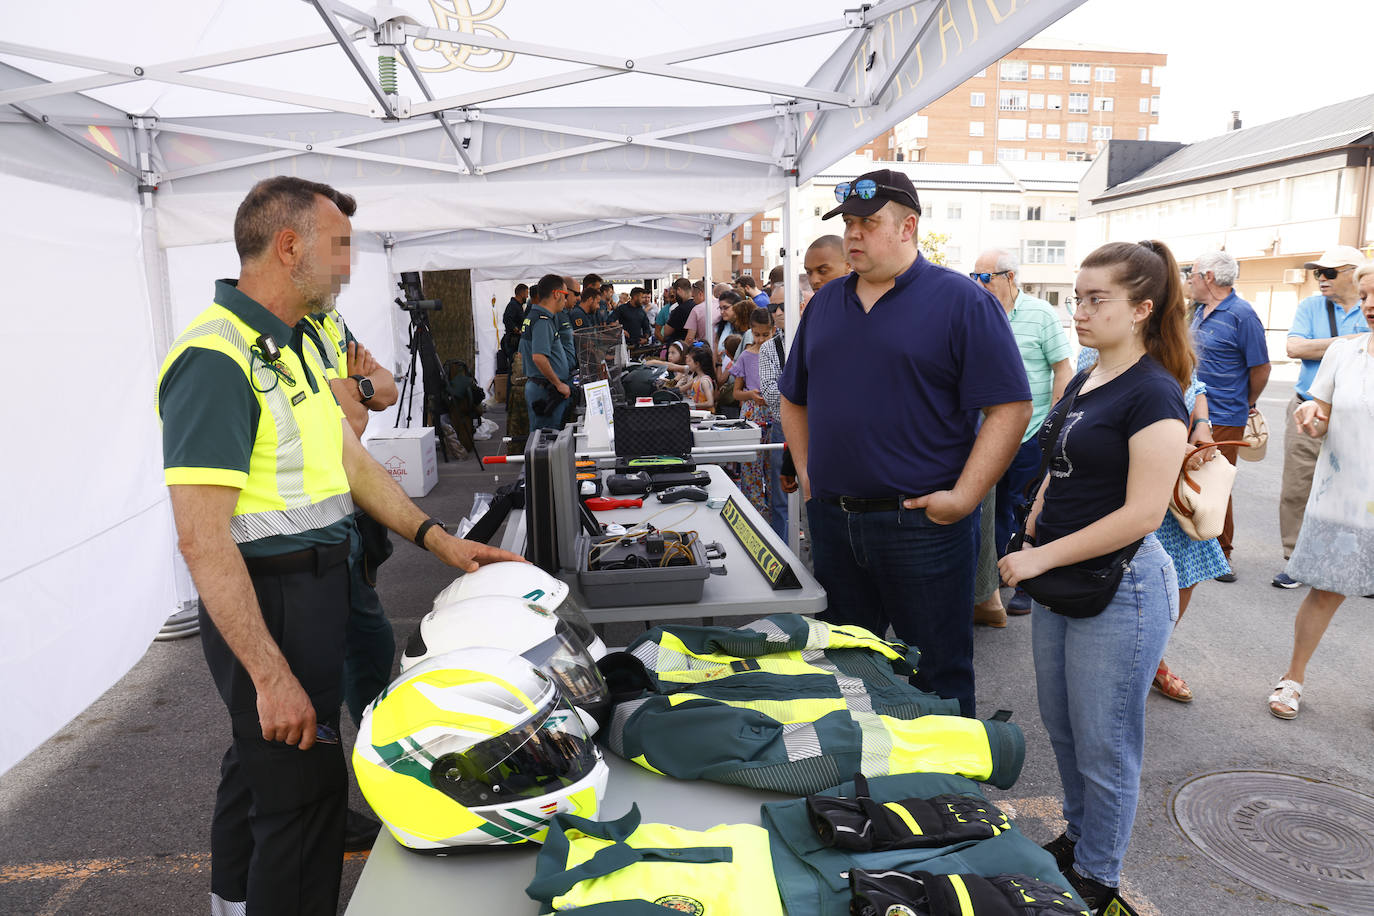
(1320,130)
(996,176)
(1047,43)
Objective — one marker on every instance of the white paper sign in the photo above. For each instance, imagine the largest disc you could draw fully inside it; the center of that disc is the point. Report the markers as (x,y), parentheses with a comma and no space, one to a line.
(600,419)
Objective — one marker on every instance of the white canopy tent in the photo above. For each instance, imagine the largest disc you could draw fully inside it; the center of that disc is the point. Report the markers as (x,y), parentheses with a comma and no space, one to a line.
(621,137)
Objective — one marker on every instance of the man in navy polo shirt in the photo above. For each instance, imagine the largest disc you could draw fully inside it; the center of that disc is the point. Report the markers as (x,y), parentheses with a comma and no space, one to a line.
(888,372)
(1233,359)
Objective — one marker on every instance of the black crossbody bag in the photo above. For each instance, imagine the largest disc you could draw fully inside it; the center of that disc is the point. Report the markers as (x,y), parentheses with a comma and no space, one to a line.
(1083,589)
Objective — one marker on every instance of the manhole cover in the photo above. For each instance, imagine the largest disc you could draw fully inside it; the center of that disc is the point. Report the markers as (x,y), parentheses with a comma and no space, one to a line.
(1301,840)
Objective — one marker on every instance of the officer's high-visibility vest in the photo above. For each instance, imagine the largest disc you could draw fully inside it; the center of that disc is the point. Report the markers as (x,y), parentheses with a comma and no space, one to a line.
(796,705)
(334,335)
(296,480)
(628,865)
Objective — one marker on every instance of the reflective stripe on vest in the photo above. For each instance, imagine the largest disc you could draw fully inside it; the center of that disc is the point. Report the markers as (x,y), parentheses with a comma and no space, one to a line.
(296,480)
(333,331)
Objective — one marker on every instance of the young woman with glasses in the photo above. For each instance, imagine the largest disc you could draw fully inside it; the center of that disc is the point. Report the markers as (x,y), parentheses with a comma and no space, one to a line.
(1111,473)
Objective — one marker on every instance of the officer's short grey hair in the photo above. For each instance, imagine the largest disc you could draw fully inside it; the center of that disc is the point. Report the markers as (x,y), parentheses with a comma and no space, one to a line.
(1220,265)
(1006,260)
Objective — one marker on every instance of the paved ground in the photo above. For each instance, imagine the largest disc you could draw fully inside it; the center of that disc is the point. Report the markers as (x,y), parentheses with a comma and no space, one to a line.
(111,815)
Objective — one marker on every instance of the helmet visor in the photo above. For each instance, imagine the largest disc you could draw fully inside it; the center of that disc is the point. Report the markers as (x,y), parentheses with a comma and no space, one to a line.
(547,752)
(570,612)
(564,658)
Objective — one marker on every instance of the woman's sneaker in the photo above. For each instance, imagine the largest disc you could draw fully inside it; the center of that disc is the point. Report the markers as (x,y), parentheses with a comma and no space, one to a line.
(1283,580)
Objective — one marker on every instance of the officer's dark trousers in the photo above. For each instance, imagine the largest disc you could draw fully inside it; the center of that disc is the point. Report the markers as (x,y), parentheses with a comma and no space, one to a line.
(276,840)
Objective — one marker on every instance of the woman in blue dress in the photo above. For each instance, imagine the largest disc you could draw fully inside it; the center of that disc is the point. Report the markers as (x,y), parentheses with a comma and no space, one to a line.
(1194,561)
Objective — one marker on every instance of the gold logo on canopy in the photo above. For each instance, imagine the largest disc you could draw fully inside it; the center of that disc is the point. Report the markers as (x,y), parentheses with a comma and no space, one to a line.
(457,15)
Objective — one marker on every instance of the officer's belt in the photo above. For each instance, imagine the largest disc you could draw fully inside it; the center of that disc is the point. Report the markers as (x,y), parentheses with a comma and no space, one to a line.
(318,559)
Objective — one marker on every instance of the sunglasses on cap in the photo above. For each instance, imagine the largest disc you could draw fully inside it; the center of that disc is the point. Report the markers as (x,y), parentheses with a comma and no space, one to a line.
(1329,273)
(986,278)
(864,189)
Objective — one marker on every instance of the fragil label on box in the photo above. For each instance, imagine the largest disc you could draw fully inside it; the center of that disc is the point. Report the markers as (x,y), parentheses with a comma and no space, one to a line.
(408,456)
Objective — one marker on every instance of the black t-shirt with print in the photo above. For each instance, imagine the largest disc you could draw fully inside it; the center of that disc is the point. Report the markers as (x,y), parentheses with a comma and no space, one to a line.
(677,320)
(1092,457)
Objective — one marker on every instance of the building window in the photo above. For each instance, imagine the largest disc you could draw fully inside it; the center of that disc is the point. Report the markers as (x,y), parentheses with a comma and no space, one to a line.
(954,211)
(1014,71)
(1106,74)
(953,254)
(1043,251)
(1154,104)
(1080,73)
(1037,100)
(977,99)
(1144,105)
(1010,154)
(1037,71)
(748,253)
(1011,100)
(1033,214)
(1145,77)
(1004,212)
(1054,102)
(1056,71)
(1035,131)
(975,128)
(1316,196)
(1078,103)
(1011,129)
(975,157)
(1102,132)
(1142,133)
(768,225)
(1102,103)
(1051,131)
(1257,205)
(1078,132)
(749,230)
(1032,156)
(1051,157)
(1074,155)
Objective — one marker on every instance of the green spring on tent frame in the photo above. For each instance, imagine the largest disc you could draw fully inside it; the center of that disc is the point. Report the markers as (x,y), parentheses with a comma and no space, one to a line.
(386,73)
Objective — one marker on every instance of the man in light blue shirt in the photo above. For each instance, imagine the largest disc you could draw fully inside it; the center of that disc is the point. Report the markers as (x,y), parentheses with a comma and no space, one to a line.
(1320,319)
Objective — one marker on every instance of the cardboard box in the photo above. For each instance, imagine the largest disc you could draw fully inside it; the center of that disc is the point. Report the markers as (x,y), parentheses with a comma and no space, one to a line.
(408,455)
(498,387)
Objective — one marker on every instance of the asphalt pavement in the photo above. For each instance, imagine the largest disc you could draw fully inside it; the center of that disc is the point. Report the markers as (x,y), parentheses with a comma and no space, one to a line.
(111,815)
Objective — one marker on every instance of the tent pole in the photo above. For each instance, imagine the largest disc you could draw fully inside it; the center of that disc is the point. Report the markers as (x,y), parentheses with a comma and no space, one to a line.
(154,257)
(792,317)
(707,283)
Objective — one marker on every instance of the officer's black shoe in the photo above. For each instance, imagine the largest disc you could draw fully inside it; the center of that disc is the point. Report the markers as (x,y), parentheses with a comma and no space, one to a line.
(1061,847)
(360,831)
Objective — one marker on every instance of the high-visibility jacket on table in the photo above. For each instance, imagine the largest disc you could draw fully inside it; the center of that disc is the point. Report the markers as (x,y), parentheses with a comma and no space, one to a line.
(795,705)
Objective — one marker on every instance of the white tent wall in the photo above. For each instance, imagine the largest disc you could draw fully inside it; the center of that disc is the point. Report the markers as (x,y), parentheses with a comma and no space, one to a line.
(86,569)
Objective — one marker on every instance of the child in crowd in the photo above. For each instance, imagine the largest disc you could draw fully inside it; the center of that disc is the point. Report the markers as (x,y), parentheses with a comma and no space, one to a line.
(696,373)
(753,478)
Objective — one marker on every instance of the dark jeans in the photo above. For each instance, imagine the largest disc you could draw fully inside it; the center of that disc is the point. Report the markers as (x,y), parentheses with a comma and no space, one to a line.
(276,839)
(371,644)
(900,568)
(1023,466)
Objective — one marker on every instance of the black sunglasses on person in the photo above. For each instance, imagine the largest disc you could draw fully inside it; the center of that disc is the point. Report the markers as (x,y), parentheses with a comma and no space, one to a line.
(1329,273)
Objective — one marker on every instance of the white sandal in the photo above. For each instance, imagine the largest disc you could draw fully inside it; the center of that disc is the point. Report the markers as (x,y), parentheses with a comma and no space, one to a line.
(1283,702)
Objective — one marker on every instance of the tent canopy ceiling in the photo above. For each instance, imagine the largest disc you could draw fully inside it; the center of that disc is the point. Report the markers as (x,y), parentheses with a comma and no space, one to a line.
(514,115)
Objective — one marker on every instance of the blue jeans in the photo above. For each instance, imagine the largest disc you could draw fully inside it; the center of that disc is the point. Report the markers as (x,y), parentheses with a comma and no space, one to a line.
(370,644)
(777,499)
(1092,676)
(1023,466)
(900,568)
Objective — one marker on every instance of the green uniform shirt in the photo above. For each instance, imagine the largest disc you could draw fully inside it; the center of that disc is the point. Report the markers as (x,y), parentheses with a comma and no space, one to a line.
(1042,340)
(540,334)
(210,415)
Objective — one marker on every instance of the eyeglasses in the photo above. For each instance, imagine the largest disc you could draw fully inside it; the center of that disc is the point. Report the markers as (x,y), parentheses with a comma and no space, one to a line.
(864,189)
(986,278)
(1329,273)
(1089,305)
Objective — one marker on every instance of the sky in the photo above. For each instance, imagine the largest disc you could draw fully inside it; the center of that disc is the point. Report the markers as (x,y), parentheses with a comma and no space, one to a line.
(1257,57)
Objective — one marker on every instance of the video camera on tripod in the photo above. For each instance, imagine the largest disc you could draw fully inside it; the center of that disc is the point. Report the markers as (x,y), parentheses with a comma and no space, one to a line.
(414,296)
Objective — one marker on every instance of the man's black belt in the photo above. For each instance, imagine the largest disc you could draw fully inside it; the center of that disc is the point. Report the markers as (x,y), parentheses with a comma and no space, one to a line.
(317,559)
(864,503)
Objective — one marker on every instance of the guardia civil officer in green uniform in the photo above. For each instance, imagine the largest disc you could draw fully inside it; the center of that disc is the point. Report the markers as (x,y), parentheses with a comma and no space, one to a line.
(263,473)
(544,356)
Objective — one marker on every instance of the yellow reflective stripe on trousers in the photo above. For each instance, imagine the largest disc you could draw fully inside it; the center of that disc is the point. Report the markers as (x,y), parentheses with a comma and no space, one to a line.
(906,817)
(961,891)
(937,744)
(785,712)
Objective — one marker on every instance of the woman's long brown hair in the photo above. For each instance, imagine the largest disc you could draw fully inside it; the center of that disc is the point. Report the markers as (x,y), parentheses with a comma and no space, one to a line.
(1148,271)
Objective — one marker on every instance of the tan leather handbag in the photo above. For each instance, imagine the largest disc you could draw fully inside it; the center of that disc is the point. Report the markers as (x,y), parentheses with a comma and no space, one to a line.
(1256,436)
(1200,497)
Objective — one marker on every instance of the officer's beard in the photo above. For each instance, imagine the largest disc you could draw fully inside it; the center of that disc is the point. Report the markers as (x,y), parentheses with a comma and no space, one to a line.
(318,294)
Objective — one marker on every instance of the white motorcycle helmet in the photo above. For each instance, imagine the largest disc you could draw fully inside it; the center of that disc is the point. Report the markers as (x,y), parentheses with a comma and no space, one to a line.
(475,747)
(516,625)
(525,580)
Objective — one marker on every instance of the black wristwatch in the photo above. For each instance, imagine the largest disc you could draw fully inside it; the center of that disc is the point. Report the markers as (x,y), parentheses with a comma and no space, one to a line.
(365,387)
(424,530)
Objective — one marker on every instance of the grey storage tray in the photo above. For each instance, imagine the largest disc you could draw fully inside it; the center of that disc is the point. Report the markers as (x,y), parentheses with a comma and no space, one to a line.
(632,587)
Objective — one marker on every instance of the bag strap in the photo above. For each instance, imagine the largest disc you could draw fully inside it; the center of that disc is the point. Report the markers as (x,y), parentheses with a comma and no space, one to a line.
(1047,454)
(1331,317)
(782,356)
(1185,477)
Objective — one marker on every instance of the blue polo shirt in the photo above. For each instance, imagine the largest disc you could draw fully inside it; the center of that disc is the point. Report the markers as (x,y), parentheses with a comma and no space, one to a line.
(1311,321)
(1229,343)
(893,396)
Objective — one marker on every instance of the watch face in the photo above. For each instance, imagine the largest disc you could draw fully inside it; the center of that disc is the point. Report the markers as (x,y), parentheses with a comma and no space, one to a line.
(365,387)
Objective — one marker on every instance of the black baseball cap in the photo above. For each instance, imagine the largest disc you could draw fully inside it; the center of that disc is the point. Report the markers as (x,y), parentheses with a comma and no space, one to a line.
(891,185)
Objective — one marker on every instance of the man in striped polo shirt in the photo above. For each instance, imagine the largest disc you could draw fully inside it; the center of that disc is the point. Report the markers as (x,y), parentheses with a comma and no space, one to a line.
(1045,354)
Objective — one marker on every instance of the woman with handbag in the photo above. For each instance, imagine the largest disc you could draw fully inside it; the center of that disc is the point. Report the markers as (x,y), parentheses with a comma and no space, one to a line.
(1112,446)
(1335,549)
(1194,561)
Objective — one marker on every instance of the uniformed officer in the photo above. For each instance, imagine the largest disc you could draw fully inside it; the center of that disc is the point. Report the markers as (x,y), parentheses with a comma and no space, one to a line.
(263,472)
(544,355)
(585,314)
